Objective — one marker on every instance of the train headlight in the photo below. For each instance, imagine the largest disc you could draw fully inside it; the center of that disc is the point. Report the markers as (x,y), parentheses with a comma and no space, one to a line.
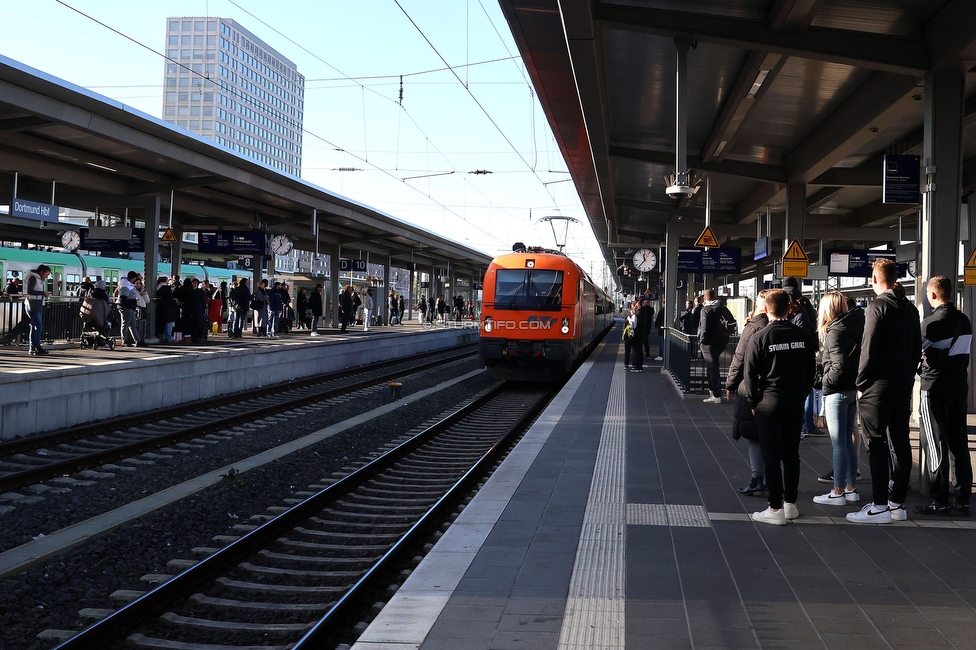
(565,328)
(487,323)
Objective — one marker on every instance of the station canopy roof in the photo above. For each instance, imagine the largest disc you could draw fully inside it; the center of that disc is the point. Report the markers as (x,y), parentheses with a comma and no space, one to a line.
(104,154)
(780,92)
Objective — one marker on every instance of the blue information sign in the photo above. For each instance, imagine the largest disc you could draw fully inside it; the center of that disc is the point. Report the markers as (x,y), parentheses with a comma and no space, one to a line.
(132,240)
(762,248)
(901,179)
(858,264)
(714,260)
(33,210)
(234,242)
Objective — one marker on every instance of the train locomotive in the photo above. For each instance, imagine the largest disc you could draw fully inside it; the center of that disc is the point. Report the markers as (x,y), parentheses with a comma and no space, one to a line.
(541,313)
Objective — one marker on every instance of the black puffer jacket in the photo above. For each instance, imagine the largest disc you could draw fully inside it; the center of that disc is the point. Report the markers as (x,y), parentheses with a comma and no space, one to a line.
(841,352)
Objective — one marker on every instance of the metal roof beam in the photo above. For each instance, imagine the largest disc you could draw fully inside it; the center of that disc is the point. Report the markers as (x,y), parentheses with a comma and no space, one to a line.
(897,54)
(876,212)
(822,196)
(19,123)
(793,16)
(670,207)
(849,177)
(756,171)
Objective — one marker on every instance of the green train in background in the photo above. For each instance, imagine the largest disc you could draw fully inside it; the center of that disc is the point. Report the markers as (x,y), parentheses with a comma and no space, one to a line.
(67,269)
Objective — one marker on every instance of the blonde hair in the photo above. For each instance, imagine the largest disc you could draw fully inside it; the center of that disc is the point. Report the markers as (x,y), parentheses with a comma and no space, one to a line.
(832,305)
(760,303)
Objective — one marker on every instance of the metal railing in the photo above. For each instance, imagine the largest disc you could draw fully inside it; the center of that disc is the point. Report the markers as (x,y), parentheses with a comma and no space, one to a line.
(62,320)
(684,362)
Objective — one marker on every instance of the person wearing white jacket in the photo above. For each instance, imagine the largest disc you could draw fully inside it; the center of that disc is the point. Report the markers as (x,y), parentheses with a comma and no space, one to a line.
(368,308)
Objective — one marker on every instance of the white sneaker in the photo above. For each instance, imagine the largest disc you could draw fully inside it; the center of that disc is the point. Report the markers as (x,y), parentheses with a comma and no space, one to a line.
(770,516)
(831,499)
(870,514)
(314,334)
(897,510)
(659,358)
(852,496)
(790,511)
(712,400)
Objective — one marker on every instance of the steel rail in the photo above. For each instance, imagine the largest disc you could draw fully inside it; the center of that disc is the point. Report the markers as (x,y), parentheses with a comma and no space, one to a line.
(54,469)
(181,586)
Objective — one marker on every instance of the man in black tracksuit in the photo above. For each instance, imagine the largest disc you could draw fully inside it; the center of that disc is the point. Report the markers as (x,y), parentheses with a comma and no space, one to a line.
(779,369)
(891,348)
(947,336)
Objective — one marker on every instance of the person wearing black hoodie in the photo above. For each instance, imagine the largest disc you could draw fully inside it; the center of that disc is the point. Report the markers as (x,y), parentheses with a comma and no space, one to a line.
(891,349)
(947,336)
(645,317)
(743,420)
(840,329)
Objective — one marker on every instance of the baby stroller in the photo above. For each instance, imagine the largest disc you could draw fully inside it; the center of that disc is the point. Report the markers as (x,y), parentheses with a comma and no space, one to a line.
(98,316)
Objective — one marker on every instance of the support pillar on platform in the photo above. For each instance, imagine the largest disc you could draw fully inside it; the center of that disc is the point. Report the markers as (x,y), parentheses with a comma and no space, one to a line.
(152,265)
(388,286)
(330,310)
(942,166)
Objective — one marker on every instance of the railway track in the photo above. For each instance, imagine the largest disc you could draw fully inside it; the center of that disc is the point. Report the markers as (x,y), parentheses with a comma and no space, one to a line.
(305,576)
(25,461)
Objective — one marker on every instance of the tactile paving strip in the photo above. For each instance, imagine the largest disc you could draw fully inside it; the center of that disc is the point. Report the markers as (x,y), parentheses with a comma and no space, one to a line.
(594,616)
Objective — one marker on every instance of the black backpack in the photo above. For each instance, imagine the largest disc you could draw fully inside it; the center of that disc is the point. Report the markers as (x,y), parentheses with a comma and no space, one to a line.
(722,322)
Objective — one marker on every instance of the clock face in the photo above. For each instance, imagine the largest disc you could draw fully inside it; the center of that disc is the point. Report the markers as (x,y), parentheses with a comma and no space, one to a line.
(71,240)
(281,245)
(645,260)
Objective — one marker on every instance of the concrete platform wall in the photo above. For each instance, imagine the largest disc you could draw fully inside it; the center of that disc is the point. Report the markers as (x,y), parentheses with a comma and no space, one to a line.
(46,400)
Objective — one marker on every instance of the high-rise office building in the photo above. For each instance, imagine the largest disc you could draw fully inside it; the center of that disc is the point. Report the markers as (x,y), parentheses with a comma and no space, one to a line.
(233,88)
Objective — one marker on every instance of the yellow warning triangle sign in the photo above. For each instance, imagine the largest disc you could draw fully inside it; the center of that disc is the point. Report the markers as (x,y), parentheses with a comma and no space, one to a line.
(795,252)
(971,260)
(169,236)
(707,239)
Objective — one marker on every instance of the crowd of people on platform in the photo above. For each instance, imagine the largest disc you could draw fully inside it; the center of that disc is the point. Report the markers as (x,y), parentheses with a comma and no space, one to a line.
(864,362)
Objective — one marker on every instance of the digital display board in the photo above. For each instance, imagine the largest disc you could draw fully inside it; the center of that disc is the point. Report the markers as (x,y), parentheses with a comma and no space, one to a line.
(714,260)
(857,264)
(234,242)
(115,240)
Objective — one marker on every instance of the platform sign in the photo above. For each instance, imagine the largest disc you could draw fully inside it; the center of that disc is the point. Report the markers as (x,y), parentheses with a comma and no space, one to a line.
(715,260)
(33,210)
(795,260)
(901,179)
(245,263)
(969,275)
(706,239)
(234,242)
(114,240)
(347,266)
(762,249)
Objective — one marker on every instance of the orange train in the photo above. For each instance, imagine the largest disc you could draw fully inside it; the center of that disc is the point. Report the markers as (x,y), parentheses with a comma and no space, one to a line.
(541,313)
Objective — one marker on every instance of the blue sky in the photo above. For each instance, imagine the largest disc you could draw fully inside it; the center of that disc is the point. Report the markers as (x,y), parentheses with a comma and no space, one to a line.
(440,128)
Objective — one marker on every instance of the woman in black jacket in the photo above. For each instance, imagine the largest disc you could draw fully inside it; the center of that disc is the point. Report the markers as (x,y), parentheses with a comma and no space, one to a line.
(744,422)
(840,329)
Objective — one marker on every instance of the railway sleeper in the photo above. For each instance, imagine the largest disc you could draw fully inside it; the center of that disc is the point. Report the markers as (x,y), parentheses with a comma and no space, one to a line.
(347,536)
(230,603)
(398,483)
(358,515)
(318,559)
(345,576)
(383,486)
(142,641)
(294,590)
(233,626)
(383,506)
(379,549)
(368,525)
(393,498)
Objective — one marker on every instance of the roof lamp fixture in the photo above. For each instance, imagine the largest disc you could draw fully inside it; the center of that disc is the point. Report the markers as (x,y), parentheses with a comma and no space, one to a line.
(97,166)
(757,84)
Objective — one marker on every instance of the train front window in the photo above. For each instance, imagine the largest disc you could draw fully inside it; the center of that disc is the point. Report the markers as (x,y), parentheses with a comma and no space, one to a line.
(528,289)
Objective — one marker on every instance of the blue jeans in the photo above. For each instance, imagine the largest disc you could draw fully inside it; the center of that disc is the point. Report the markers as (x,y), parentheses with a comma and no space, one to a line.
(808,408)
(36,328)
(840,409)
(272,322)
(239,324)
(168,332)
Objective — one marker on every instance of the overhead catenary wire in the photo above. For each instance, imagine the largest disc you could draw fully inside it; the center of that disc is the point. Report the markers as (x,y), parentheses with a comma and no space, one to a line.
(310,133)
(329,65)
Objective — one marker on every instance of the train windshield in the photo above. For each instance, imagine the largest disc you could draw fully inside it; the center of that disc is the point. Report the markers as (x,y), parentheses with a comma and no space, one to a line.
(528,289)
